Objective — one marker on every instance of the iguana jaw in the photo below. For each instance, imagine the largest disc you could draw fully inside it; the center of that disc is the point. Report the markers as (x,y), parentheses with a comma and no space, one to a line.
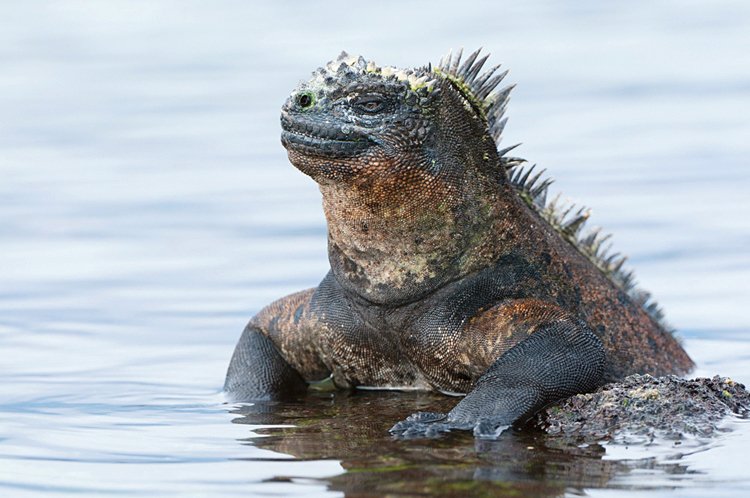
(310,138)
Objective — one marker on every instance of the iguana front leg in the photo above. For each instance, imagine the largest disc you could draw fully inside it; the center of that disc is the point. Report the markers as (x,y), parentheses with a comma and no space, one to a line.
(275,353)
(257,370)
(560,358)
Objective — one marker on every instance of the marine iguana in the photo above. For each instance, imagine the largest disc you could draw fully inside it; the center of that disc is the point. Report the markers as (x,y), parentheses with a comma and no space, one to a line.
(449,270)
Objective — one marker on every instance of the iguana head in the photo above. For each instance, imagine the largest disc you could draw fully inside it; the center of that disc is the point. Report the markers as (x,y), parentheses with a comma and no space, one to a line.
(408,167)
(355,120)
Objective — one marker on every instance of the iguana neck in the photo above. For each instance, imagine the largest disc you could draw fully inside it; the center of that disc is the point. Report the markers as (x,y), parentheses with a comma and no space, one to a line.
(392,244)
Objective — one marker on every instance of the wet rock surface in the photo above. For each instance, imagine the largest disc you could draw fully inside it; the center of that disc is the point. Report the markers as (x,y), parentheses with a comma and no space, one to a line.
(642,409)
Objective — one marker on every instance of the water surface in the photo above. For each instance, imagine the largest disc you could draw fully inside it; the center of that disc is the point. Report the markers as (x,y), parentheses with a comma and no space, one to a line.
(147,210)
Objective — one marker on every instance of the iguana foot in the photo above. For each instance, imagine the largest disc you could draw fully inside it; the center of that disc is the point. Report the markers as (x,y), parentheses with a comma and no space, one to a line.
(430,425)
(490,429)
(420,425)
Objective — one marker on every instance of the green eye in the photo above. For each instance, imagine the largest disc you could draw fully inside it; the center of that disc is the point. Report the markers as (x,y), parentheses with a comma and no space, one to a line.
(305,100)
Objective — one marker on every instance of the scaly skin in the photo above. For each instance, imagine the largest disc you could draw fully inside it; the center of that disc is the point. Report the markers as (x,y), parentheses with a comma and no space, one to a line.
(442,276)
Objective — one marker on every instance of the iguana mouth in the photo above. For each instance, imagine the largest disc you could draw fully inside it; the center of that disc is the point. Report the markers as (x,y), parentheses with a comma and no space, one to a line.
(317,139)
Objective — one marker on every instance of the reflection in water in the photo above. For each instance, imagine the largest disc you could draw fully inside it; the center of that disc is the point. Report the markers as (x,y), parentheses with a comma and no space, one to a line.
(353,428)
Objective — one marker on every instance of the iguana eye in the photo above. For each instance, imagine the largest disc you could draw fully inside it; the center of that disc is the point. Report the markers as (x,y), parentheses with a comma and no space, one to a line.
(305,100)
(370,104)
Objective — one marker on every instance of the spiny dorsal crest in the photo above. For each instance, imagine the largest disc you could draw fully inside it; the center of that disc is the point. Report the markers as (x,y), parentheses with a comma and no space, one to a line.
(480,88)
(567,219)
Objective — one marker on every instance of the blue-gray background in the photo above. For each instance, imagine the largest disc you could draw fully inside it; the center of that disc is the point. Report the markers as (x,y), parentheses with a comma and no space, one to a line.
(147,208)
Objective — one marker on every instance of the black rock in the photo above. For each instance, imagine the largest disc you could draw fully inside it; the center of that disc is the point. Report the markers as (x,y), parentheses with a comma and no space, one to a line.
(642,408)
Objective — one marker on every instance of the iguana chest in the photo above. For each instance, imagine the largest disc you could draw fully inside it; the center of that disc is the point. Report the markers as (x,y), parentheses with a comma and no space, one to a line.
(420,346)
(375,356)
(359,355)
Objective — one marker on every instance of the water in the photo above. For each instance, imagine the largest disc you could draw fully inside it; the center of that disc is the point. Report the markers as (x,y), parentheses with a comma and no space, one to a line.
(147,210)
